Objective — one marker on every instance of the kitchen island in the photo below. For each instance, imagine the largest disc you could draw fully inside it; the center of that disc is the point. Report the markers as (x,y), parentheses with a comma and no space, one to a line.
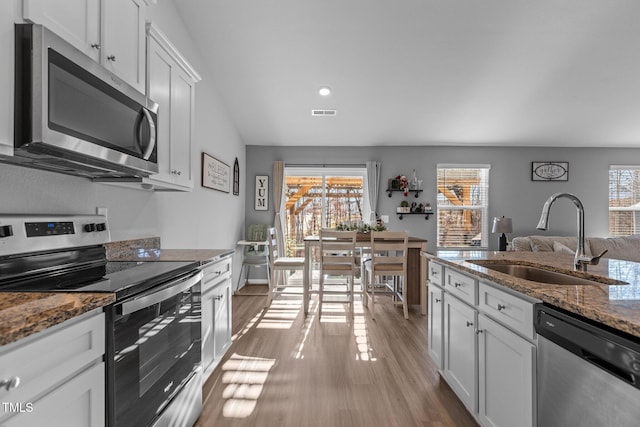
(483,325)
(617,306)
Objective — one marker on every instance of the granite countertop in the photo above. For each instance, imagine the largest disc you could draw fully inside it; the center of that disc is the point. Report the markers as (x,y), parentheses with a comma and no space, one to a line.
(202,256)
(25,313)
(617,306)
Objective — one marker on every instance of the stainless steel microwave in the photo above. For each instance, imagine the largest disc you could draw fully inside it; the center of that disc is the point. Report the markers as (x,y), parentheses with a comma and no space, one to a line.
(76,117)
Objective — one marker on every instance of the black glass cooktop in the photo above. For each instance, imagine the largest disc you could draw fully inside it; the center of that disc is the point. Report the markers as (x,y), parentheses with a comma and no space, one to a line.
(120,277)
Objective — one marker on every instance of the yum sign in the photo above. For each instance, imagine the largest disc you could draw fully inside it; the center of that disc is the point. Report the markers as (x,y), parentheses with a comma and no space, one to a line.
(262,193)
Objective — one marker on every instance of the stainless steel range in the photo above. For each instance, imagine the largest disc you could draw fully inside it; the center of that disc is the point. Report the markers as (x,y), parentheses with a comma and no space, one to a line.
(153,354)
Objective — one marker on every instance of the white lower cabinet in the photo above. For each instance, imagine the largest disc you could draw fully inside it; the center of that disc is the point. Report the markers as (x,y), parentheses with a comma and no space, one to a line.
(460,350)
(57,376)
(489,352)
(216,313)
(506,376)
(435,338)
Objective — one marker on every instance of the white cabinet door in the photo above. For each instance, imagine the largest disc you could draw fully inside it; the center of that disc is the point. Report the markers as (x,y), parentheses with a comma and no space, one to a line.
(76,21)
(208,349)
(506,376)
(123,40)
(111,32)
(460,351)
(77,403)
(216,313)
(181,120)
(222,319)
(171,84)
(436,303)
(160,69)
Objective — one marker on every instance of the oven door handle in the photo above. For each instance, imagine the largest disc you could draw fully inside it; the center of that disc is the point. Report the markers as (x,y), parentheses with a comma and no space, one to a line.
(170,290)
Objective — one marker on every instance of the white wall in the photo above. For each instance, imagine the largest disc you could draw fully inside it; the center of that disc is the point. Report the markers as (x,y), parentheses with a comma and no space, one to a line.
(202,218)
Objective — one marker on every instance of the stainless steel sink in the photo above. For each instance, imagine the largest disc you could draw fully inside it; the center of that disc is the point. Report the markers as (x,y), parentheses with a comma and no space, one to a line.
(542,275)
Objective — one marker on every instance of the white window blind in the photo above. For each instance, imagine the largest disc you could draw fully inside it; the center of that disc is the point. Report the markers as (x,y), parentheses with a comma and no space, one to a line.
(624,200)
(462,206)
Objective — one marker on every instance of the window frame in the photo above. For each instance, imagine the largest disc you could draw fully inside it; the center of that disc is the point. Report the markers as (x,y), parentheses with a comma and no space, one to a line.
(484,208)
(612,209)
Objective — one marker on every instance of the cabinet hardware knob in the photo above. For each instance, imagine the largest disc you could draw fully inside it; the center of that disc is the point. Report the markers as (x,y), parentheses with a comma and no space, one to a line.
(469,323)
(501,307)
(10,383)
(95,46)
(438,300)
(479,331)
(111,58)
(457,284)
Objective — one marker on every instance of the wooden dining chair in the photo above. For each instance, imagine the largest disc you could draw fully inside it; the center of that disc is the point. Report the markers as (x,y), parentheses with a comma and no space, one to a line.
(337,258)
(389,251)
(280,264)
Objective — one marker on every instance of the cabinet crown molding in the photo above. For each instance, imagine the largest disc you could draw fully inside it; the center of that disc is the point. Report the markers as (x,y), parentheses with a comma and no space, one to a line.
(154,31)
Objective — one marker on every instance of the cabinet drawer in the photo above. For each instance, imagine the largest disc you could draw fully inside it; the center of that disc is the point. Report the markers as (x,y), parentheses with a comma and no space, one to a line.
(460,285)
(511,311)
(216,272)
(51,358)
(436,274)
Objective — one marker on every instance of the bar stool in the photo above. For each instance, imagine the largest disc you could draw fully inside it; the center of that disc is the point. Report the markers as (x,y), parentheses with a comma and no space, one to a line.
(389,251)
(337,258)
(280,264)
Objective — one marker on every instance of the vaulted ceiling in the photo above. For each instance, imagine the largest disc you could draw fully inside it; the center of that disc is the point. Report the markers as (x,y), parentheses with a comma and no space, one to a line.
(425,72)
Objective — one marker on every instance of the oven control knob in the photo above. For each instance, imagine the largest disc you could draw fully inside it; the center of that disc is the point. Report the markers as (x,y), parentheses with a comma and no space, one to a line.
(6,231)
(101,227)
(89,228)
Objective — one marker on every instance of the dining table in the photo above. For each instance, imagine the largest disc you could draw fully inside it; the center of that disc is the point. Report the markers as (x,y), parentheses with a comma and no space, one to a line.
(416,269)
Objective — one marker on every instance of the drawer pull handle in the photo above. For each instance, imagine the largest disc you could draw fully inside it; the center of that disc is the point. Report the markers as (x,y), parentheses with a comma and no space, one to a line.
(10,383)
(469,323)
(501,307)
(457,284)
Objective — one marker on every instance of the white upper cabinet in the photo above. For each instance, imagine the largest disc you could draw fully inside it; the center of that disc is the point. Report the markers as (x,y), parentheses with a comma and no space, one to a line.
(171,83)
(110,31)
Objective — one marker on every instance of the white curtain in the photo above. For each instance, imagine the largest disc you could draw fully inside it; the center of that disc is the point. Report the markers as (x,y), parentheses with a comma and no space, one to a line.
(373,183)
(278,202)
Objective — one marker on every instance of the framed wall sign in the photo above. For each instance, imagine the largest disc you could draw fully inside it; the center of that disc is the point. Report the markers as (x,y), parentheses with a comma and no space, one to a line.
(215,174)
(262,193)
(549,171)
(236,178)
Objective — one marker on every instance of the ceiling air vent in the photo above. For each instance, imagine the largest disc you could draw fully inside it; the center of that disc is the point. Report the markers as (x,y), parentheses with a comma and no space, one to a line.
(323,112)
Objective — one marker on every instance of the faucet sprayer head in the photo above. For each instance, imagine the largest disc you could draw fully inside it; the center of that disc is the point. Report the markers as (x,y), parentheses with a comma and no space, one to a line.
(543,224)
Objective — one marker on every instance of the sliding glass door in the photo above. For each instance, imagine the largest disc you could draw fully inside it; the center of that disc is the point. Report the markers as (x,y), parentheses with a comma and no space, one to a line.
(318,198)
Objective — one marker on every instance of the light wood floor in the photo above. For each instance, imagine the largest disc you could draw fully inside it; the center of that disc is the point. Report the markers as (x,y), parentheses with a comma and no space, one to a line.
(285,369)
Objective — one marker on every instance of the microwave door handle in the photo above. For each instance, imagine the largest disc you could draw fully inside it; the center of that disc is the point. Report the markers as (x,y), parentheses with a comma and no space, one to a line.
(152,134)
(158,296)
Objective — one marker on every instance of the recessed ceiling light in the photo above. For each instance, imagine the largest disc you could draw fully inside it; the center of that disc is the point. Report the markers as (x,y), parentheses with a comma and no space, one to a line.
(324,91)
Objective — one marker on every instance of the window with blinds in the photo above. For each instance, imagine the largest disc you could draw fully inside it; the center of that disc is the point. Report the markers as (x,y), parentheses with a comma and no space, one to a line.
(624,200)
(462,206)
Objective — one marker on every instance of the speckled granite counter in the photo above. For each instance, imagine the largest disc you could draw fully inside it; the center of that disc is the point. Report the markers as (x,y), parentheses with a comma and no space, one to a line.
(25,313)
(148,249)
(617,306)
(202,256)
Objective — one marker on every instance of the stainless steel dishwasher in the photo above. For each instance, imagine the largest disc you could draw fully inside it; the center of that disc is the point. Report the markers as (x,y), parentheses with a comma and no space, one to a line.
(588,374)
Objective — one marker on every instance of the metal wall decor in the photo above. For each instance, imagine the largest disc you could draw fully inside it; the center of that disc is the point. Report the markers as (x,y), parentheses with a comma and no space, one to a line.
(236,178)
(549,171)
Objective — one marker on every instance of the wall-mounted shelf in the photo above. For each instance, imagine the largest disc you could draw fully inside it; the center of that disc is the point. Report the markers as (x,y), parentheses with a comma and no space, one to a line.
(391,190)
(426,214)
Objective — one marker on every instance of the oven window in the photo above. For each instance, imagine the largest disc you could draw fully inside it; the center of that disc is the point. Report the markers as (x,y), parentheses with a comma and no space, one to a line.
(156,350)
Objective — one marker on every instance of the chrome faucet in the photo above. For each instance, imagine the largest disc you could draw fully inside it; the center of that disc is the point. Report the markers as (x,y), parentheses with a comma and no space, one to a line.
(581,259)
